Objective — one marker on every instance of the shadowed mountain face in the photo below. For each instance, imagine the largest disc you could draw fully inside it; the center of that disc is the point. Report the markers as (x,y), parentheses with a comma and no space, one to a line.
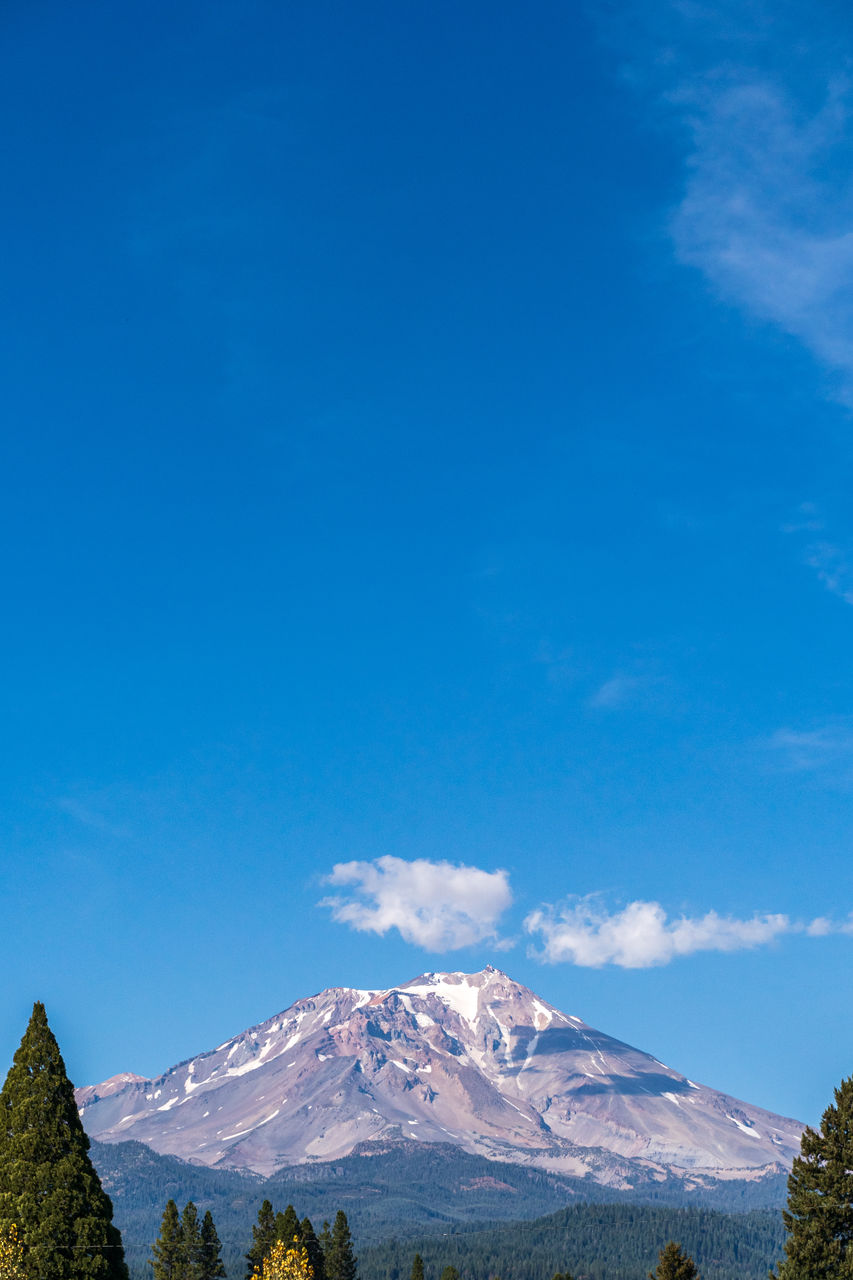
(472,1059)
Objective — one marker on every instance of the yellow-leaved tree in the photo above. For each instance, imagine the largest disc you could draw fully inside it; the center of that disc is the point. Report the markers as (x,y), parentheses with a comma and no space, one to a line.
(11,1254)
(283,1262)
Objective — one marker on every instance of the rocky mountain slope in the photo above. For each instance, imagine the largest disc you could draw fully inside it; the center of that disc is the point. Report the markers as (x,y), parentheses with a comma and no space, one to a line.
(476,1060)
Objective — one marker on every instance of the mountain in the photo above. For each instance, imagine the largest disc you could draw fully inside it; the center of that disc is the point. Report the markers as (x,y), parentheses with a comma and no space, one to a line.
(475,1060)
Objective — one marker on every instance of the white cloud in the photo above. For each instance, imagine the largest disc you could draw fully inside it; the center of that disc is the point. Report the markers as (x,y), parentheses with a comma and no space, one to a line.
(640,936)
(767,212)
(440,906)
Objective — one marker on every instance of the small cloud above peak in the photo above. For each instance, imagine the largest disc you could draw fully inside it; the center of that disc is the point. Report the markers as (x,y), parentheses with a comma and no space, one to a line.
(440,906)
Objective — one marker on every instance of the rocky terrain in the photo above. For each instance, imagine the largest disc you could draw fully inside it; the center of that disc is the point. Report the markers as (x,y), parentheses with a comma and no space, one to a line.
(475,1060)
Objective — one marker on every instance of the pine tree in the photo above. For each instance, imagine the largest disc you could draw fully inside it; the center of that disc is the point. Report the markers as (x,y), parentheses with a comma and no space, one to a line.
(819,1216)
(674,1264)
(313,1248)
(168,1260)
(287,1227)
(48,1185)
(417,1267)
(191,1242)
(263,1238)
(212,1267)
(341,1263)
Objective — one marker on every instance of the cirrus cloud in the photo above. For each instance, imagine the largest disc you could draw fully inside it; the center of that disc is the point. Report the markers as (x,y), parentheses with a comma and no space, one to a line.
(440,906)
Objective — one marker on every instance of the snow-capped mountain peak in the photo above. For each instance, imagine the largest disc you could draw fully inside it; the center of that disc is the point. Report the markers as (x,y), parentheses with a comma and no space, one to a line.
(474,1059)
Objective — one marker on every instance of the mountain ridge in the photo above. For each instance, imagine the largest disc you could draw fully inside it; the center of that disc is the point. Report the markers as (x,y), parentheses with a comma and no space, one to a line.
(474,1059)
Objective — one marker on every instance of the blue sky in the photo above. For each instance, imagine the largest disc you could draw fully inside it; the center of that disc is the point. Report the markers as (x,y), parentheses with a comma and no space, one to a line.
(426,506)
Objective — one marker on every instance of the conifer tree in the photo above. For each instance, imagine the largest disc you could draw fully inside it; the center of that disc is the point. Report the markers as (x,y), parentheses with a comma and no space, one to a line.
(191,1242)
(48,1185)
(674,1264)
(313,1248)
(450,1273)
(263,1238)
(819,1216)
(341,1263)
(168,1257)
(212,1267)
(287,1227)
(417,1267)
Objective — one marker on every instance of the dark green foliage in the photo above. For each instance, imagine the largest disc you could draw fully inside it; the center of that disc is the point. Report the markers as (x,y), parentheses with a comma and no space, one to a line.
(48,1184)
(212,1267)
(819,1216)
(185,1248)
(287,1227)
(263,1238)
(167,1250)
(417,1267)
(313,1248)
(558,1275)
(341,1263)
(191,1242)
(596,1242)
(404,1195)
(450,1273)
(674,1264)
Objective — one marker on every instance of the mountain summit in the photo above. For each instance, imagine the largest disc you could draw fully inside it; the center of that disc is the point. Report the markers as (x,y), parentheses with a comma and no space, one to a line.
(476,1060)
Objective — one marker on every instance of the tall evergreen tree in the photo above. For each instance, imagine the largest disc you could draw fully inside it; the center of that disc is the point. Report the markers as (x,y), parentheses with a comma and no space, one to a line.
(212,1266)
(341,1263)
(674,1264)
(191,1242)
(287,1227)
(263,1239)
(313,1248)
(417,1267)
(819,1216)
(168,1258)
(48,1184)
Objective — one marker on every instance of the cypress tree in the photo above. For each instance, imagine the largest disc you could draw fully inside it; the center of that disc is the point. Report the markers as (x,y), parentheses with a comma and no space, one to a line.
(674,1264)
(263,1239)
(341,1263)
(212,1267)
(168,1260)
(48,1184)
(819,1216)
(417,1267)
(313,1248)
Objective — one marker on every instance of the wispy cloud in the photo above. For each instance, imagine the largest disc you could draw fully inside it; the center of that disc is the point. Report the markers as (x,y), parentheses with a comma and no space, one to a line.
(615,692)
(826,748)
(437,905)
(767,231)
(766,212)
(93,818)
(832,562)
